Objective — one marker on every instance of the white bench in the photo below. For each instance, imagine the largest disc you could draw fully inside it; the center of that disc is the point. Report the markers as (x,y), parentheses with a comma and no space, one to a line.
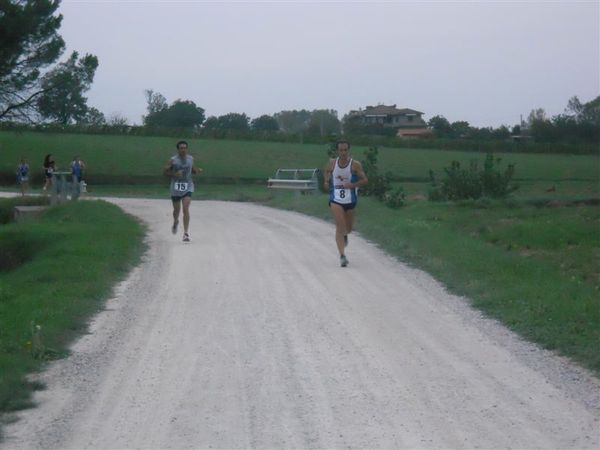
(295,179)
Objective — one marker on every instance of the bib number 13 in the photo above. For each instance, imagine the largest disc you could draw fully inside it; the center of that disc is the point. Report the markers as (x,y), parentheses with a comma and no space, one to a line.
(180,186)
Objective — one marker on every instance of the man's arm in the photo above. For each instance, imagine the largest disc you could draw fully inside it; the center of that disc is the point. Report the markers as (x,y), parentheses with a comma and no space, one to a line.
(168,170)
(357,170)
(197,170)
(327,174)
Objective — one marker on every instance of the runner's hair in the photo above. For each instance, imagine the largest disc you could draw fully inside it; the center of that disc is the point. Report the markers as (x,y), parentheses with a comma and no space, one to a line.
(338,143)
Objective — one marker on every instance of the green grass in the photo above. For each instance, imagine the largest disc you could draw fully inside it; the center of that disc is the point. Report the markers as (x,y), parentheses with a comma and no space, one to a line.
(62,268)
(531,261)
(534,269)
(139,160)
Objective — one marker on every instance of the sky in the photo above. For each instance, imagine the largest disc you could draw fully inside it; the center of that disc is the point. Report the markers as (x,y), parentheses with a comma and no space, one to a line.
(485,62)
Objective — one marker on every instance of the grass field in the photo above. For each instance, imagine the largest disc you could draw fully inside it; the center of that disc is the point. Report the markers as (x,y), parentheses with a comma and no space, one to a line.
(532,261)
(52,278)
(139,160)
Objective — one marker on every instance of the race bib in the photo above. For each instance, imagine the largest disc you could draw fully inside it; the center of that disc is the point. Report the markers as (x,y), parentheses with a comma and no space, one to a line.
(342,195)
(181,186)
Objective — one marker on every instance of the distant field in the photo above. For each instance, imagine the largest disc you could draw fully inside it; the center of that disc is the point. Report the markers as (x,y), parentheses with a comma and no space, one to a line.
(139,160)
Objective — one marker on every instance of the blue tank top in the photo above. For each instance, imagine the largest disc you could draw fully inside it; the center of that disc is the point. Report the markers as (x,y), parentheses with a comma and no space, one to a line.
(76,168)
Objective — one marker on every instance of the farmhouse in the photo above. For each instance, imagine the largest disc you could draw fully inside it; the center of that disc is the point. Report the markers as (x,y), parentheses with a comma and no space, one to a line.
(409,122)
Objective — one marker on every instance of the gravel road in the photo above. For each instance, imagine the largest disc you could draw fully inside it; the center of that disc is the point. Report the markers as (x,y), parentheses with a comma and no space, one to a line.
(252,336)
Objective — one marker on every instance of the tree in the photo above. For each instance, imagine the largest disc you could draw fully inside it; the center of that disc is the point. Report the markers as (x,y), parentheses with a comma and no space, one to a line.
(460,129)
(92,117)
(536,115)
(156,102)
(265,123)
(117,120)
(293,121)
(324,122)
(501,133)
(231,121)
(184,114)
(234,121)
(212,123)
(441,127)
(584,112)
(62,98)
(181,114)
(29,43)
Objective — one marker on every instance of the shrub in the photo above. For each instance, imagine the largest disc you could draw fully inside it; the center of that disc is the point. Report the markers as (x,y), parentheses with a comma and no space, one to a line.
(378,184)
(473,183)
(494,183)
(396,198)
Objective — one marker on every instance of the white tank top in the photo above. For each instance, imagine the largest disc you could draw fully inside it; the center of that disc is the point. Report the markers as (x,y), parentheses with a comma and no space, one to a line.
(339,176)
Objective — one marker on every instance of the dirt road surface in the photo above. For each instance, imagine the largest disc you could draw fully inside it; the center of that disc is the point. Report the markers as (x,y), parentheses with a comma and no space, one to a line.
(252,336)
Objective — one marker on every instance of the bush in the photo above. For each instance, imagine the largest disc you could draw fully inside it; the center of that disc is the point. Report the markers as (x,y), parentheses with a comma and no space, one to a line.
(497,184)
(378,184)
(395,199)
(472,183)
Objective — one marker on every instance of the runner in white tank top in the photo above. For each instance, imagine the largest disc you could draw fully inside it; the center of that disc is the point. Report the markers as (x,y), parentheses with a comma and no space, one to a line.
(342,177)
(181,168)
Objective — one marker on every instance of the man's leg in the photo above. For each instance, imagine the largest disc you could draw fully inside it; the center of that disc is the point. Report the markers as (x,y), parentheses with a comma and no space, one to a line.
(340,226)
(186,213)
(176,209)
(349,220)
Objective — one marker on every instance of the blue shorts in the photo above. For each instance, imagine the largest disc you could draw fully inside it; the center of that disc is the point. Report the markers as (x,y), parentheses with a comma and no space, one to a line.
(346,206)
(178,198)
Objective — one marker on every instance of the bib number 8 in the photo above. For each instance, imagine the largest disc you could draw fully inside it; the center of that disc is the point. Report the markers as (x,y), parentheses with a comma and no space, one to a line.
(342,193)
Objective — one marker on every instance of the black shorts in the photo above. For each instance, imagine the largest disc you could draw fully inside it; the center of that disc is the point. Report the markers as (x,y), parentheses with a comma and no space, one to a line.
(346,206)
(178,198)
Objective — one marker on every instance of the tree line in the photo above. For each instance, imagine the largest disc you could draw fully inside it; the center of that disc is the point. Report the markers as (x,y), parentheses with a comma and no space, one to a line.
(579,123)
(36,89)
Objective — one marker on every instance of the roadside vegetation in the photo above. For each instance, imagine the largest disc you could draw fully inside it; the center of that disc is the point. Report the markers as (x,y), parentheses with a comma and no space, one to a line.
(529,258)
(56,272)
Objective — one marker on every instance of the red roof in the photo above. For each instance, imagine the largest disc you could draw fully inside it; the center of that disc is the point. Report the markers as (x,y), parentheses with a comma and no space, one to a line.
(404,132)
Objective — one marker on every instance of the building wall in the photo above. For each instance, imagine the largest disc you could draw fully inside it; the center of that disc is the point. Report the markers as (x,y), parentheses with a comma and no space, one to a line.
(395,121)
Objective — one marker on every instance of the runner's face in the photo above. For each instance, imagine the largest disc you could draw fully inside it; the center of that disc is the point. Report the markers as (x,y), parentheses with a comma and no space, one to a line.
(343,151)
(182,150)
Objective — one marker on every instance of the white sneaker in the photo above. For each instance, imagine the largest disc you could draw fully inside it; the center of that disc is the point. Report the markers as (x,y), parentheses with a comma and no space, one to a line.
(186,237)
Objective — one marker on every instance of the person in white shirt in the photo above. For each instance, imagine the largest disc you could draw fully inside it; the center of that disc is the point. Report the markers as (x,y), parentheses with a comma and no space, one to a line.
(342,177)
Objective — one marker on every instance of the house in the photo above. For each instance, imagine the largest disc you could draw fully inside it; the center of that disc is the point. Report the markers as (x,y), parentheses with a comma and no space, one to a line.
(409,122)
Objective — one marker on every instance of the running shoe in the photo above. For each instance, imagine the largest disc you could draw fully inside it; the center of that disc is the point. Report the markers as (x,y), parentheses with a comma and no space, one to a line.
(174,227)
(186,237)
(345,240)
(343,261)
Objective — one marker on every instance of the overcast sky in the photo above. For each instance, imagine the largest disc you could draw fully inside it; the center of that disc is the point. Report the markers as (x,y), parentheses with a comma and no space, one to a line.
(486,62)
